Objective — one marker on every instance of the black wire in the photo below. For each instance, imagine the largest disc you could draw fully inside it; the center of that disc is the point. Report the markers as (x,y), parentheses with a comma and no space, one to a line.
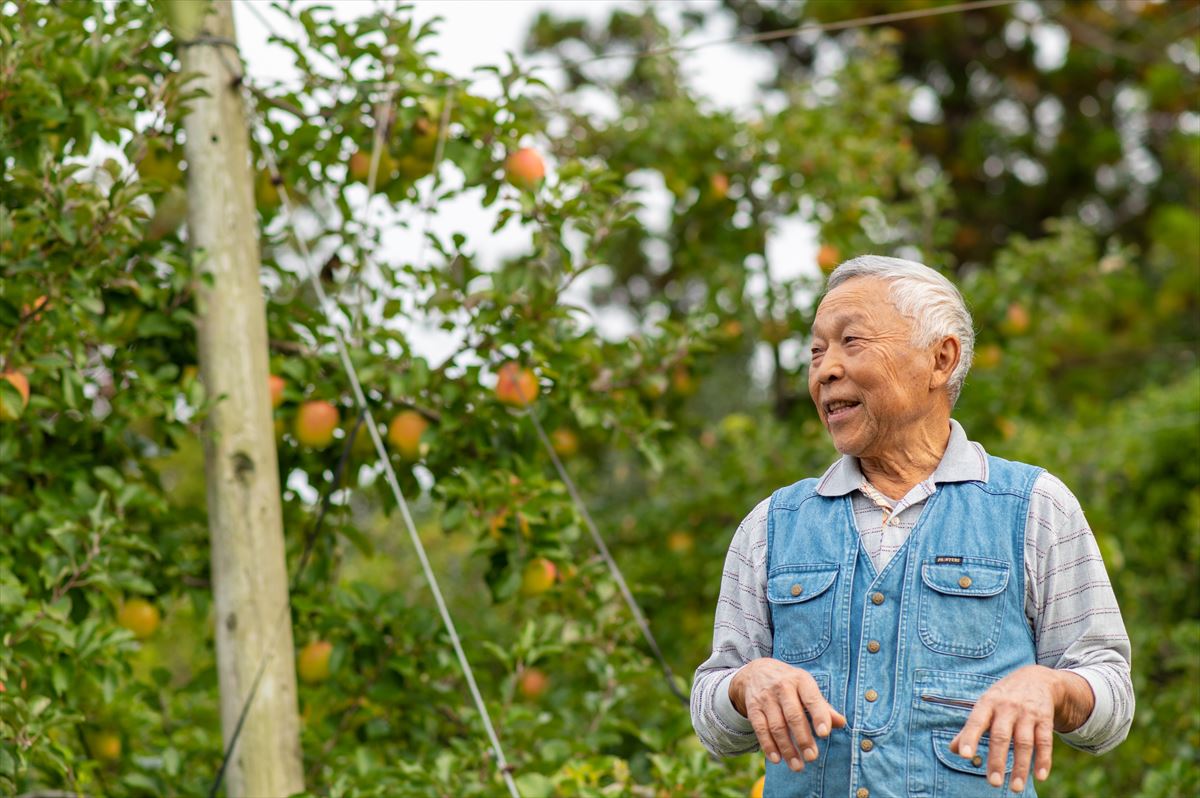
(310,540)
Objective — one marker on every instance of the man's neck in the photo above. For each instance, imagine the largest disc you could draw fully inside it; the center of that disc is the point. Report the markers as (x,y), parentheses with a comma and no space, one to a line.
(906,466)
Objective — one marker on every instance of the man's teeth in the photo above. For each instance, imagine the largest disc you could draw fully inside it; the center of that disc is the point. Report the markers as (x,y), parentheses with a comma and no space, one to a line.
(833,407)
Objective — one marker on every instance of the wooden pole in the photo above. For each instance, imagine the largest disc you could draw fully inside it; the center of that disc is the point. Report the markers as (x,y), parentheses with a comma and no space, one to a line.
(245,519)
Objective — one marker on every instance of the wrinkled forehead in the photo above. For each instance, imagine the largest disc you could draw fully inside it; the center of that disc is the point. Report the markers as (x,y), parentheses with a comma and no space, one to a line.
(862,299)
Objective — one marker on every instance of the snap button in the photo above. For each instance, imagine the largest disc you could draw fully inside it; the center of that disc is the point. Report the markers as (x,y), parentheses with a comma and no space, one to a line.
(797,589)
(866,745)
(965,582)
(873,646)
(870,695)
(977,760)
(876,598)
(862,792)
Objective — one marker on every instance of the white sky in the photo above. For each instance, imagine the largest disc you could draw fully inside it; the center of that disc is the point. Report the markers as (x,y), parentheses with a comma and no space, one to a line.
(474,33)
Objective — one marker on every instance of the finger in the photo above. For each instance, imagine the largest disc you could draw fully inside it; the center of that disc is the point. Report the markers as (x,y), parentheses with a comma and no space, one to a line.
(1043,738)
(778,726)
(1022,754)
(793,711)
(1001,734)
(758,719)
(967,739)
(818,708)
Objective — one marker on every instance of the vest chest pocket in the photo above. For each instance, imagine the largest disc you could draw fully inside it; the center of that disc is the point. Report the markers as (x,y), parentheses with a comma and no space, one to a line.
(962,605)
(801,600)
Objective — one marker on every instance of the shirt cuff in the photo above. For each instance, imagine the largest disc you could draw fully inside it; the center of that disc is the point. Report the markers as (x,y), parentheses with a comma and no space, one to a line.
(1096,725)
(735,721)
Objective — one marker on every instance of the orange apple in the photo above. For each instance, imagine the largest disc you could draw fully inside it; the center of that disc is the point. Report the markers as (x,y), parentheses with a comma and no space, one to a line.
(275,385)
(315,423)
(515,385)
(525,168)
(988,356)
(106,746)
(359,166)
(1016,319)
(719,183)
(533,683)
(565,442)
(313,662)
(19,381)
(680,542)
(682,381)
(404,433)
(828,258)
(34,310)
(139,616)
(538,577)
(757,790)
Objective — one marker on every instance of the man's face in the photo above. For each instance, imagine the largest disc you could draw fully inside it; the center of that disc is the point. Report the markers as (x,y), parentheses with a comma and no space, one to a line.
(871,386)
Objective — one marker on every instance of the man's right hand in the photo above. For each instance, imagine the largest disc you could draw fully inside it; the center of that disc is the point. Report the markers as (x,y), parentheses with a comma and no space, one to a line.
(775,696)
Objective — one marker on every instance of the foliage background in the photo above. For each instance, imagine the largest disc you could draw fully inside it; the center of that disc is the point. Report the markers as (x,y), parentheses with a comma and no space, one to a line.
(1063,197)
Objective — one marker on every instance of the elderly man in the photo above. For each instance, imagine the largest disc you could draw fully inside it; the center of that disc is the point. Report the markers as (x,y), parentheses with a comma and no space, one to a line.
(919,620)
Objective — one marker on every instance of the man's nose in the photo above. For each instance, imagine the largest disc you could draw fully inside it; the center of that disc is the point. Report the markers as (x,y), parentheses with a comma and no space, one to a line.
(829,369)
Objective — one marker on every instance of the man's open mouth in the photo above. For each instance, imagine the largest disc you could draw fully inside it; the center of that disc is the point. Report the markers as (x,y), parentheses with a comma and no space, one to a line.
(839,408)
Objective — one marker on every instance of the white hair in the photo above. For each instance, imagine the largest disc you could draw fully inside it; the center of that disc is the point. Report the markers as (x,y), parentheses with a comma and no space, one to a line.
(932,302)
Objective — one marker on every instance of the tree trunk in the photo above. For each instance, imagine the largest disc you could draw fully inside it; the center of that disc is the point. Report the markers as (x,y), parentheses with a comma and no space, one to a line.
(249,571)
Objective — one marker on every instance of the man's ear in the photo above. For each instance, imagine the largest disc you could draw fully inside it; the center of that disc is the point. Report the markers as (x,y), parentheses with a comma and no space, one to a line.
(946,354)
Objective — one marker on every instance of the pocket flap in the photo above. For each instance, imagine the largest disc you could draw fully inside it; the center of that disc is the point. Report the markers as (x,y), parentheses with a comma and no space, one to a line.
(791,584)
(941,749)
(968,576)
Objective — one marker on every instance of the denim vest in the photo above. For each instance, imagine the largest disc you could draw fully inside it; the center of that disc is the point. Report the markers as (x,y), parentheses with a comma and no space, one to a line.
(903,653)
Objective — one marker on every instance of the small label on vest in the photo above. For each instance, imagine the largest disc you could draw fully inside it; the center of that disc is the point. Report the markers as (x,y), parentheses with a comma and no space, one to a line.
(954,560)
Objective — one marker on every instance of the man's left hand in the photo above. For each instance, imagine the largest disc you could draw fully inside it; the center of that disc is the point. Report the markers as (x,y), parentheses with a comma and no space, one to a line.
(1024,708)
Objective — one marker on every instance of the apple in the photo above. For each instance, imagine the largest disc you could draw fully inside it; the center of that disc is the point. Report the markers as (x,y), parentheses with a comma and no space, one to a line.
(680,542)
(34,310)
(516,386)
(988,356)
(404,433)
(533,683)
(359,166)
(538,577)
(19,381)
(828,258)
(719,183)
(525,169)
(315,423)
(757,790)
(139,616)
(682,382)
(105,745)
(275,385)
(313,662)
(565,442)
(1016,319)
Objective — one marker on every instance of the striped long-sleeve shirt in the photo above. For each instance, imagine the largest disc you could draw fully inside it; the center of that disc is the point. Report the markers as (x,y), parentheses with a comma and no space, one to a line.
(1069,601)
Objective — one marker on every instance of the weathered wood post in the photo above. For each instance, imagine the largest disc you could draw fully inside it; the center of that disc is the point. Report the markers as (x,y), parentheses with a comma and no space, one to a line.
(249,572)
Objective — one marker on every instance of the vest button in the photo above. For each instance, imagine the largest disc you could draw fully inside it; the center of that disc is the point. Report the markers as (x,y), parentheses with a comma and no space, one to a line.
(871,695)
(797,589)
(965,582)
(866,745)
(876,598)
(873,646)
(977,760)
(862,792)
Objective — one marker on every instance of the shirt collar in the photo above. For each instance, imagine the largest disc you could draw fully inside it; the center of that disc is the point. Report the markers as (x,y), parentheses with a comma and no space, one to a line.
(963,461)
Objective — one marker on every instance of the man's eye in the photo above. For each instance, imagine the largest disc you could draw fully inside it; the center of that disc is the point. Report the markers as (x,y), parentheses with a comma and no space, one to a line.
(848,338)
(818,352)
